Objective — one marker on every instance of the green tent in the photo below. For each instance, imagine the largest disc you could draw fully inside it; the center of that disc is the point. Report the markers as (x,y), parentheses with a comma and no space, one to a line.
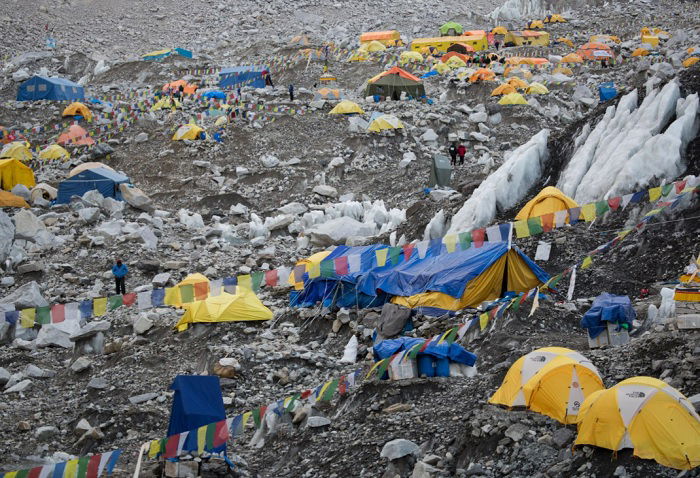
(392,82)
(450,29)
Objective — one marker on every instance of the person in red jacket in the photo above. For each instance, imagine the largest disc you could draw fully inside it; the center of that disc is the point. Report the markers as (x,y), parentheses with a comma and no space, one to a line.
(461,151)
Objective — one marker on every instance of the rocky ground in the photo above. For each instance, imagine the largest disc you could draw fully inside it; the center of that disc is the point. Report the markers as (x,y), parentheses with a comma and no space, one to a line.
(276,191)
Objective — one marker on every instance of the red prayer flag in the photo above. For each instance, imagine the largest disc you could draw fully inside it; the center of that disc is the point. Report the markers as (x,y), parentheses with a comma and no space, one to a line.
(341,265)
(614,203)
(271,278)
(93,466)
(478,237)
(58,313)
(129,299)
(305,394)
(171,446)
(407,251)
(680,186)
(201,290)
(342,386)
(548,222)
(221,433)
(34,472)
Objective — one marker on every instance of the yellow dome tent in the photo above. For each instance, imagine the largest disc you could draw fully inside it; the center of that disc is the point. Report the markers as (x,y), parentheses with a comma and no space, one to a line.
(311,261)
(504,89)
(572,58)
(165,103)
(555,18)
(77,108)
(456,62)
(517,83)
(499,30)
(16,150)
(384,122)
(346,107)
(88,165)
(564,70)
(566,41)
(640,52)
(187,131)
(13,172)
(553,381)
(535,25)
(645,414)
(244,305)
(512,99)
(410,57)
(7,199)
(200,290)
(548,201)
(536,89)
(441,67)
(688,62)
(373,46)
(54,152)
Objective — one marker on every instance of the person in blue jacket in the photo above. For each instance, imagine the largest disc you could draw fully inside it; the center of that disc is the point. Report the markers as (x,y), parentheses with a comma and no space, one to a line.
(120,271)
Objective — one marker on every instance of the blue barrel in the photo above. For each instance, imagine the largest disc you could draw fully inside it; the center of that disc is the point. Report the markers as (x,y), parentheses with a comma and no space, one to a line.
(442,367)
(425,366)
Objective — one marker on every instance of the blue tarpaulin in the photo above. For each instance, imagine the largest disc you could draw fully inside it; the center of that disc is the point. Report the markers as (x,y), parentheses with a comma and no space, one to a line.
(197,401)
(104,180)
(608,308)
(454,352)
(53,88)
(239,76)
(607,91)
(220,95)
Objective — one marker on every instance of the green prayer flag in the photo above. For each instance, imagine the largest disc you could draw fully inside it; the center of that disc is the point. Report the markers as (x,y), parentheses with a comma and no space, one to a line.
(291,403)
(534,225)
(516,304)
(601,207)
(452,335)
(211,429)
(82,466)
(187,293)
(256,417)
(330,390)
(327,268)
(114,302)
(256,279)
(383,367)
(395,254)
(666,189)
(22,474)
(465,240)
(43,315)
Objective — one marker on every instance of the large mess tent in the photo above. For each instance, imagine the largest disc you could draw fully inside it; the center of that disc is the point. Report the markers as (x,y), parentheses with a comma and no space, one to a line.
(435,283)
(553,381)
(647,415)
(13,172)
(548,201)
(393,82)
(103,180)
(187,88)
(49,88)
(244,305)
(89,165)
(255,76)
(387,37)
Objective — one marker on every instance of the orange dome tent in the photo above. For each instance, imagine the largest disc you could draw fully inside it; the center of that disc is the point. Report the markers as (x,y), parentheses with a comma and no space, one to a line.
(482,74)
(451,54)
(76,135)
(595,51)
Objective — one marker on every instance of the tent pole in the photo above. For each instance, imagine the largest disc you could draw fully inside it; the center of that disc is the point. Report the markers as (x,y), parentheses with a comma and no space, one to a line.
(138,463)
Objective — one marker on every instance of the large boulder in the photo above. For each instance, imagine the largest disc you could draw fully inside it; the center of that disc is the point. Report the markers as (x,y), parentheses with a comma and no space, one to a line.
(136,198)
(7,235)
(395,449)
(338,231)
(26,297)
(58,335)
(28,227)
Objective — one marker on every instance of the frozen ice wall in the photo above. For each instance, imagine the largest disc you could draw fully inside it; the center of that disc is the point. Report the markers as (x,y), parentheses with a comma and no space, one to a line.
(632,145)
(505,187)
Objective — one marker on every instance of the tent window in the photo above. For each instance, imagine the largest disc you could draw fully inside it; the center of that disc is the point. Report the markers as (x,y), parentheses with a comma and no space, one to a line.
(75,90)
(42,87)
(30,88)
(63,88)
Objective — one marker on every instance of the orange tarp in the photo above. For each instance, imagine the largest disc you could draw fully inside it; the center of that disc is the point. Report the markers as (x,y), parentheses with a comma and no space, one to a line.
(188,89)
(396,71)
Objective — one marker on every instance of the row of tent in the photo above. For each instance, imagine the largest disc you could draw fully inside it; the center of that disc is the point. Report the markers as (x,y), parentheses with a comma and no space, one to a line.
(642,413)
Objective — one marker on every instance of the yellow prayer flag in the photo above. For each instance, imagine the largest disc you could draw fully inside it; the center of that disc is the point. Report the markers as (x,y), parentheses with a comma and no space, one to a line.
(27,318)
(381,256)
(588,212)
(314,270)
(172,296)
(11,474)
(521,229)
(323,390)
(245,282)
(154,449)
(201,439)
(586,262)
(450,241)
(624,234)
(244,420)
(444,336)
(99,306)
(483,320)
(374,367)
(653,212)
(654,194)
(71,469)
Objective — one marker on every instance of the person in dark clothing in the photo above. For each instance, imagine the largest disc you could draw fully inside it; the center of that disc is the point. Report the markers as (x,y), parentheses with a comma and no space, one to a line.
(291,92)
(461,151)
(497,44)
(453,154)
(120,271)
(182,92)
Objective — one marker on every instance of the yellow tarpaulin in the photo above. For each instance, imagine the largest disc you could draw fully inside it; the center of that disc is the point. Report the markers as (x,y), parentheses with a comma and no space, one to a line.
(241,306)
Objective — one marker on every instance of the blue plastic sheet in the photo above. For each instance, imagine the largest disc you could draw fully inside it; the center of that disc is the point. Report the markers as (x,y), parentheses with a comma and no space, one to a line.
(608,308)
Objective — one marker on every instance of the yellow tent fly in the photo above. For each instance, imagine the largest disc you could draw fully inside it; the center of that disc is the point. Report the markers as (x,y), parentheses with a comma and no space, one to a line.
(547,201)
(54,152)
(13,172)
(504,89)
(200,290)
(688,62)
(384,122)
(7,199)
(187,131)
(244,305)
(16,150)
(78,109)
(512,99)
(346,107)
(536,89)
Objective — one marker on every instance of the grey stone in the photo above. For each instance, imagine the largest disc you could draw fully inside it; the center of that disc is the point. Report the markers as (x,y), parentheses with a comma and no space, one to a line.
(620,471)
(89,215)
(4,376)
(82,426)
(562,437)
(19,387)
(30,267)
(57,335)
(91,329)
(479,117)
(29,228)
(161,280)
(141,138)
(327,191)
(343,315)
(694,400)
(142,324)
(7,235)
(315,422)
(81,364)
(112,207)
(97,383)
(144,397)
(33,371)
(45,433)
(516,431)
(424,470)
(475,469)
(22,191)
(398,448)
